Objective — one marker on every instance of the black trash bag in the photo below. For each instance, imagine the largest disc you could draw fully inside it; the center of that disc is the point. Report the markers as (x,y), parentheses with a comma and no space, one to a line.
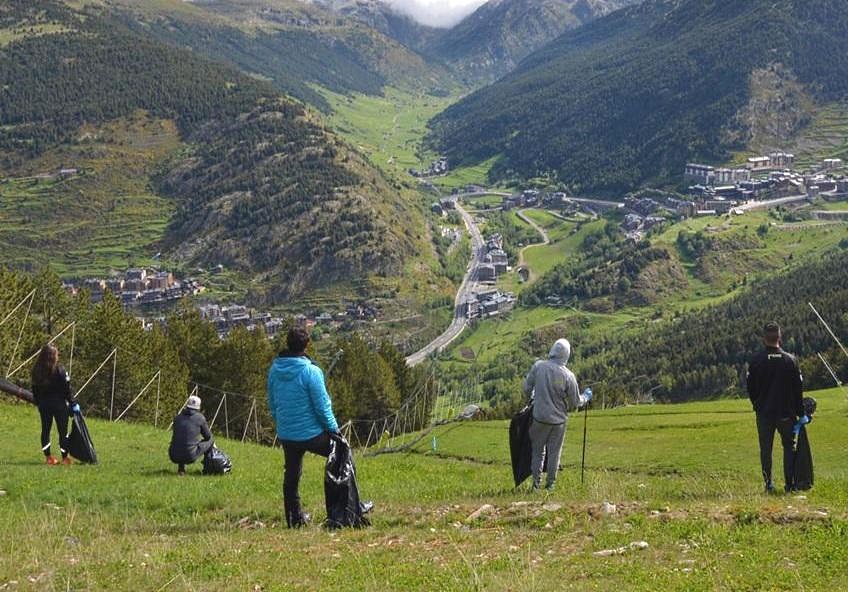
(216,462)
(341,493)
(80,445)
(520,446)
(802,468)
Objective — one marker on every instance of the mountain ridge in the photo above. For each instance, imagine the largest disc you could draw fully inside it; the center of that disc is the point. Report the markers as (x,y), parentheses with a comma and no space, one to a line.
(636,94)
(253,175)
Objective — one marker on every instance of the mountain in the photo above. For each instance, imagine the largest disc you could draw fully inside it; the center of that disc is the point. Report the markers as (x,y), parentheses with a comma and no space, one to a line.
(628,99)
(237,173)
(497,36)
(383,18)
(294,45)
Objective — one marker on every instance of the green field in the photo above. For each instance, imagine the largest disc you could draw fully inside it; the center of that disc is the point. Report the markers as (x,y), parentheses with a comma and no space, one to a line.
(387,129)
(460,177)
(564,245)
(684,479)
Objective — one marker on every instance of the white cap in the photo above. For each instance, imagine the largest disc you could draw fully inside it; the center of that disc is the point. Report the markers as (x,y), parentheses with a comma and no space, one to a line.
(193,403)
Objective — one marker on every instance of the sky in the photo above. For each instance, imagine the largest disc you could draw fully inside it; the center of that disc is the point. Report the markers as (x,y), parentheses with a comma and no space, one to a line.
(437,13)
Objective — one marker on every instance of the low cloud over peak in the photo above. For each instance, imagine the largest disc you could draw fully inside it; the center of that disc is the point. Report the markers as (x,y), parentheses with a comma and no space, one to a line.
(436,13)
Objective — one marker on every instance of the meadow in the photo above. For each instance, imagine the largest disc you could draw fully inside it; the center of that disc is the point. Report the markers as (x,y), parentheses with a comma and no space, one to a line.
(684,481)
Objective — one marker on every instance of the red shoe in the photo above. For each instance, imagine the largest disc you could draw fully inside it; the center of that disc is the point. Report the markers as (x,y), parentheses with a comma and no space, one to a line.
(67,461)
(52,461)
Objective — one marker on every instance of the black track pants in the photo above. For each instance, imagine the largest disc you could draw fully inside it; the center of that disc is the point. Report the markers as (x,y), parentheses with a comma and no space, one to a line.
(766,428)
(293,452)
(50,411)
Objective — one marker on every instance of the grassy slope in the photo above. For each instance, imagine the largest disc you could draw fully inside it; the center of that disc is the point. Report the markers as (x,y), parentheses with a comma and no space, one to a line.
(685,479)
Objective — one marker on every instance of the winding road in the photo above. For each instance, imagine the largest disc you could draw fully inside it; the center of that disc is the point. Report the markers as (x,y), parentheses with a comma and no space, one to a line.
(459,321)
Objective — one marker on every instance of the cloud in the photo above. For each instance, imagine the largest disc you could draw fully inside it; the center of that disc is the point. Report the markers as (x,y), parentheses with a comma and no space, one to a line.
(436,13)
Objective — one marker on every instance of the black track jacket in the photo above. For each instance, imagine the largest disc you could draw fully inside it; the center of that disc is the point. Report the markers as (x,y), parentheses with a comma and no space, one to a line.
(775,385)
(57,389)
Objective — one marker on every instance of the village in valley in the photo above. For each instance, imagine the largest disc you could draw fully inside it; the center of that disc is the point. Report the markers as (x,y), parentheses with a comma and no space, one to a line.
(764,182)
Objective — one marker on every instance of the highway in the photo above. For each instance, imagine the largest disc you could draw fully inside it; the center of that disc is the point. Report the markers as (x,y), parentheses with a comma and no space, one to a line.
(459,321)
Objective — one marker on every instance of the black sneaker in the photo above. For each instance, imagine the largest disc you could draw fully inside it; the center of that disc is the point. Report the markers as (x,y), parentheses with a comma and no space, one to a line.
(302,521)
(770,489)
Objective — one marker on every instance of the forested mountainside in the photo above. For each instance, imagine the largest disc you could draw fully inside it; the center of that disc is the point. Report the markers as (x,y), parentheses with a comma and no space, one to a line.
(630,98)
(256,182)
(497,36)
(293,45)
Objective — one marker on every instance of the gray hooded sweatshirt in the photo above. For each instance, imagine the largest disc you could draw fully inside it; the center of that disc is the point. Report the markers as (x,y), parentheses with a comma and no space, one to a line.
(553,387)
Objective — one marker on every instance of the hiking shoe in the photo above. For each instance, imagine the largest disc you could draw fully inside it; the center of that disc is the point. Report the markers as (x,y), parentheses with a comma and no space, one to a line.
(770,489)
(67,461)
(302,521)
(51,460)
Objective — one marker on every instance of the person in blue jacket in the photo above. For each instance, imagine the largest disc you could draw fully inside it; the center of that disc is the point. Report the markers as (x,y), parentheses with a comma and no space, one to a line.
(300,405)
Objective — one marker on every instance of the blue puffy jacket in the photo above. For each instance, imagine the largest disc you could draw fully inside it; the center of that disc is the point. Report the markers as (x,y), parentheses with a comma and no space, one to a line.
(298,399)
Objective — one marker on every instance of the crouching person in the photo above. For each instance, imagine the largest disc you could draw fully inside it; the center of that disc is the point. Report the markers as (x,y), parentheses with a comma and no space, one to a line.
(554,392)
(303,413)
(192,437)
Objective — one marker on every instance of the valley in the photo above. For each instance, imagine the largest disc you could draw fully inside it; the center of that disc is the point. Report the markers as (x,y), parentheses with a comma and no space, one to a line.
(374,106)
(436,198)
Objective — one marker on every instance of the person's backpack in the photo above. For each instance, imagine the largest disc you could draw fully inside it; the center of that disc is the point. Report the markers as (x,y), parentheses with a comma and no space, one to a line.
(215,462)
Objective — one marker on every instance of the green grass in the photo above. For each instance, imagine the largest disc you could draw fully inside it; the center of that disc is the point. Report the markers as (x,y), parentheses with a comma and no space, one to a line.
(484,201)
(390,129)
(28,30)
(492,337)
(387,129)
(467,175)
(684,479)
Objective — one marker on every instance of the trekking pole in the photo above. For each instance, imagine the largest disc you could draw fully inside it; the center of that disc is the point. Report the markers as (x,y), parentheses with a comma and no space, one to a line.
(583,462)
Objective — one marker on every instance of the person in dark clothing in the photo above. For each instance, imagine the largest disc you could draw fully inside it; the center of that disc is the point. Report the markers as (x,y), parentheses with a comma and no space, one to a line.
(191,438)
(775,387)
(303,413)
(51,389)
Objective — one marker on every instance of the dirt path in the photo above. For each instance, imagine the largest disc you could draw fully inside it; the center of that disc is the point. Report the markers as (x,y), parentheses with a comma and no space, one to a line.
(546,240)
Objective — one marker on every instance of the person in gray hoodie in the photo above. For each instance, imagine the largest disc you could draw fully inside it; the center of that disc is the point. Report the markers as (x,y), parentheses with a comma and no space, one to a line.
(553,390)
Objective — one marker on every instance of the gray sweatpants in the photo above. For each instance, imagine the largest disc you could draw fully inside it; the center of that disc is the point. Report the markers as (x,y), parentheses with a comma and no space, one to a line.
(546,436)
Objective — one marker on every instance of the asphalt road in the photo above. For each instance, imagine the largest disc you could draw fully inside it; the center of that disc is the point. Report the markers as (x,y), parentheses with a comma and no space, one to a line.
(771,203)
(459,321)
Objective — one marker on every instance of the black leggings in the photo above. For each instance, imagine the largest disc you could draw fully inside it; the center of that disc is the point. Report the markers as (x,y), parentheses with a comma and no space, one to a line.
(294,452)
(50,411)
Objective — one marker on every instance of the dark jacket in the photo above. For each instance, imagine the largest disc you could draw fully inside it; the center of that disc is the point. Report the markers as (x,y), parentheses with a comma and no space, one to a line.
(56,390)
(775,384)
(189,427)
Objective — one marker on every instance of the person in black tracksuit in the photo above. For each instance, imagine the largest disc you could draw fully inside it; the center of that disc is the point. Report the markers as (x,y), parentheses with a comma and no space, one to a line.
(191,438)
(51,389)
(775,387)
